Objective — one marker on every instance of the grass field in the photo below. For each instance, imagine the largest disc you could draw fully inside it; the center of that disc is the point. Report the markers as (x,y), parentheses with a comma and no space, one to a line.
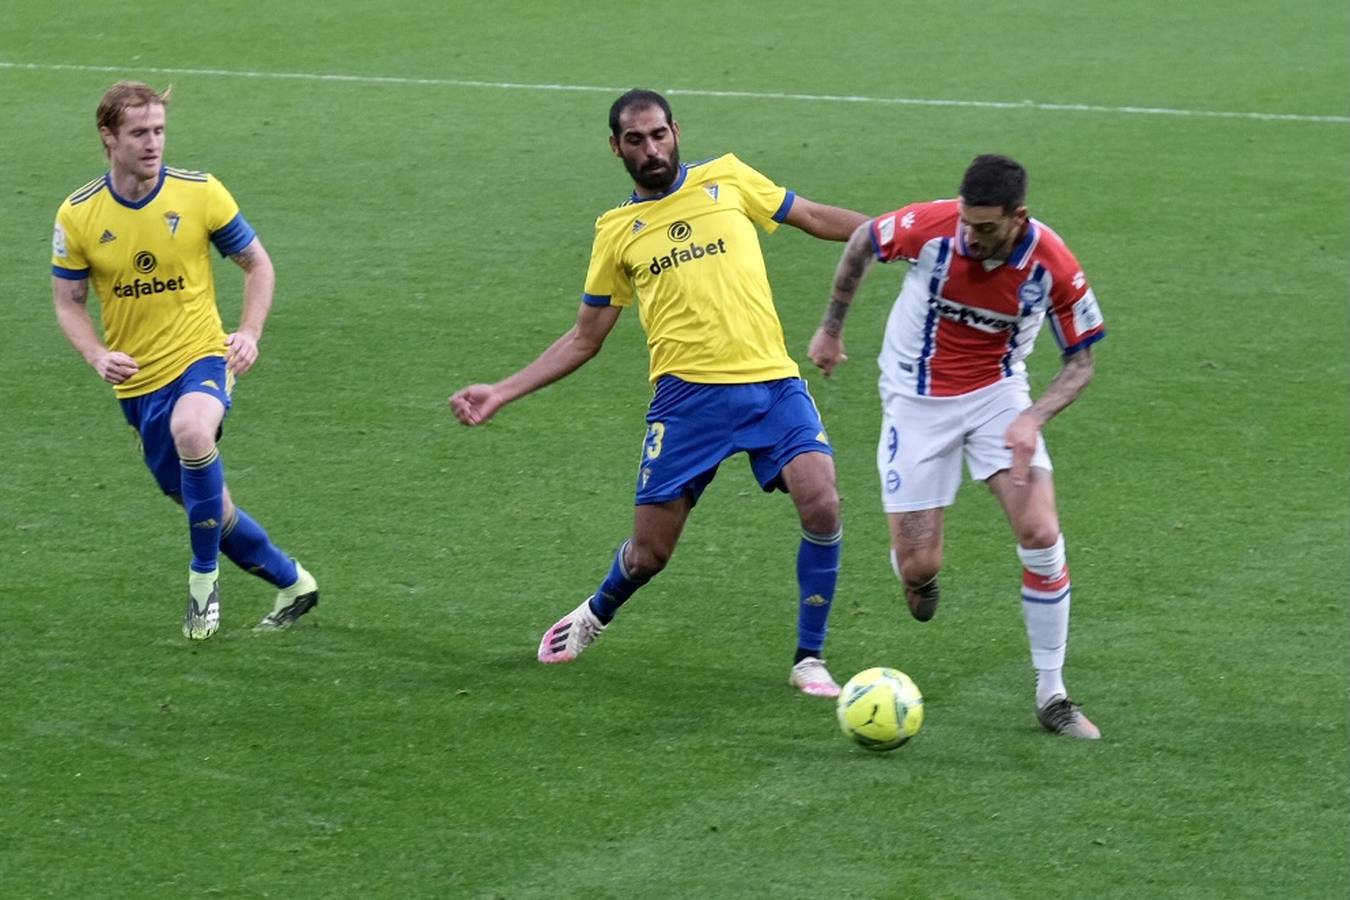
(426,177)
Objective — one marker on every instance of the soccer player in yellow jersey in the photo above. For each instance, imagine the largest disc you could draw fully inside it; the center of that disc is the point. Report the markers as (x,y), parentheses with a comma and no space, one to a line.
(685,249)
(142,233)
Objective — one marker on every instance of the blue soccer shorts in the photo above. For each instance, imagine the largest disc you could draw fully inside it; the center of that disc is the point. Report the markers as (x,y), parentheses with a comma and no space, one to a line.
(692,428)
(149,415)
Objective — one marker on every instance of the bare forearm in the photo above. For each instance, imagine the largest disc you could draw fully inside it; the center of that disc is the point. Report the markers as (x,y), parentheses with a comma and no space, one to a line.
(259,287)
(260,281)
(1065,387)
(830,223)
(848,275)
(76,323)
(834,223)
(563,357)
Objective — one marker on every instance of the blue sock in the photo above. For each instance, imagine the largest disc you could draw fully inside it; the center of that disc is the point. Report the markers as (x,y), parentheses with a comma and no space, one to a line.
(817,572)
(248,547)
(203,483)
(615,590)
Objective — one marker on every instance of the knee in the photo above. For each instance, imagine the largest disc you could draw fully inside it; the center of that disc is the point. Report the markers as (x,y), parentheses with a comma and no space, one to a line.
(191,440)
(820,512)
(645,560)
(1039,535)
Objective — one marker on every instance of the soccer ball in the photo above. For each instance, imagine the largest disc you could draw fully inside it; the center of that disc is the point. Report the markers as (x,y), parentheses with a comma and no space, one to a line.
(880,708)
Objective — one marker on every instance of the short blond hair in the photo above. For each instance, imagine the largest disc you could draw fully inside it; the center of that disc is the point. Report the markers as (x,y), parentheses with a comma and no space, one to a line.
(124,95)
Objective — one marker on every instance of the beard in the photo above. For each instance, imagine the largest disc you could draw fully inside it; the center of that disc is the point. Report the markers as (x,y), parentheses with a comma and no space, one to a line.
(656,176)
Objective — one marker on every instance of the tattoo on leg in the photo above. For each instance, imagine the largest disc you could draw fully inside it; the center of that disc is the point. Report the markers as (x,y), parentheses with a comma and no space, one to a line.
(918,528)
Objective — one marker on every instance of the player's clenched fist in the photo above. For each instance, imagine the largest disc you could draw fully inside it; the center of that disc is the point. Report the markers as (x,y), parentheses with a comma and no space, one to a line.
(475,404)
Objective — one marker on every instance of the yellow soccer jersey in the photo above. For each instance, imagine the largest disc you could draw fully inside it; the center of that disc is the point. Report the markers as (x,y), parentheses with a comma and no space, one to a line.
(692,260)
(150,264)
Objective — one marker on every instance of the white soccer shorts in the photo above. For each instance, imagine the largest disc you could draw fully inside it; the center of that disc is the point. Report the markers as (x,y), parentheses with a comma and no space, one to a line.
(923,440)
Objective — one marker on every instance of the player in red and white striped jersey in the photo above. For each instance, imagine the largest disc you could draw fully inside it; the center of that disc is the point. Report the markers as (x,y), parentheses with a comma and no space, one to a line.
(983,277)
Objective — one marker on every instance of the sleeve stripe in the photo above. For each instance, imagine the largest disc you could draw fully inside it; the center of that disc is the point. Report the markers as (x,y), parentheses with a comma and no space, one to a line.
(785,207)
(235,236)
(70,274)
(1084,343)
(595,299)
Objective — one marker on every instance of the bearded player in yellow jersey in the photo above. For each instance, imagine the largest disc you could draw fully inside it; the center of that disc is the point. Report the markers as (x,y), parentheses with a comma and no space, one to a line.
(142,233)
(684,248)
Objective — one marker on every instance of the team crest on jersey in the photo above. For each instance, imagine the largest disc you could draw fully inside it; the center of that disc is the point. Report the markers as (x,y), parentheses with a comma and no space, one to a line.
(59,241)
(172,219)
(638,225)
(1031,293)
(712,191)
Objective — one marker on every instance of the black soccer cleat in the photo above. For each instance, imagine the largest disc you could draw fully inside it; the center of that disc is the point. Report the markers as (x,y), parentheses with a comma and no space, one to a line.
(290,606)
(1062,716)
(923,600)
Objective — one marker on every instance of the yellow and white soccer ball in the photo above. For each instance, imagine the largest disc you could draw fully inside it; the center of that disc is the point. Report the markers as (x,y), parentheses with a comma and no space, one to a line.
(880,708)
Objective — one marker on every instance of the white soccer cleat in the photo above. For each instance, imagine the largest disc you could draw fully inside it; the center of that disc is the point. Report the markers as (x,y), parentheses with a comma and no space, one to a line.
(1062,716)
(811,677)
(570,635)
(202,618)
(292,602)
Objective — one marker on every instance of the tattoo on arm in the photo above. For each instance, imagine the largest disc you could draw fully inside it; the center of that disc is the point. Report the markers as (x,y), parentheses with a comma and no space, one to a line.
(834,318)
(1065,387)
(245,258)
(853,266)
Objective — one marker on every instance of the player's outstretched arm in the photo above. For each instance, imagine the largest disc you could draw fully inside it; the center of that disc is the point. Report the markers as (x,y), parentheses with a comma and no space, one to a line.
(830,223)
(260,281)
(827,344)
(72,314)
(1062,390)
(475,404)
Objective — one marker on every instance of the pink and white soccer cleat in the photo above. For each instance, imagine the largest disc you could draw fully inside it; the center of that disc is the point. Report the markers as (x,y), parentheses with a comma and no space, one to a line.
(570,635)
(811,677)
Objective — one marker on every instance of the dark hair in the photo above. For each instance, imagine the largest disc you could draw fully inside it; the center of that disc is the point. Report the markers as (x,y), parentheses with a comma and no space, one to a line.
(636,97)
(994,180)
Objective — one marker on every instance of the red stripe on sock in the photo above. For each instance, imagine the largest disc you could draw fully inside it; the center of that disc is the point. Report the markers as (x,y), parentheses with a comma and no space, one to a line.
(1045,583)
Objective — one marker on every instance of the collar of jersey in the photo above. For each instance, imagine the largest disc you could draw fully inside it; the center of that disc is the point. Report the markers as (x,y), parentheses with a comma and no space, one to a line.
(1021,253)
(679,182)
(135,204)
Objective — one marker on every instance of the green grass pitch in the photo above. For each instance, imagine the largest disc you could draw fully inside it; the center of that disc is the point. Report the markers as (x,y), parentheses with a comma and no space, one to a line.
(426,177)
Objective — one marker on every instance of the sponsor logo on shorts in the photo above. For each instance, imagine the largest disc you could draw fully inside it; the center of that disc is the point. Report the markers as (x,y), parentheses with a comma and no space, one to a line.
(892,481)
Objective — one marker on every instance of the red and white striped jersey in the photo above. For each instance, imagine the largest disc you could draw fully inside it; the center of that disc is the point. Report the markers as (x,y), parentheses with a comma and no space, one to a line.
(959,323)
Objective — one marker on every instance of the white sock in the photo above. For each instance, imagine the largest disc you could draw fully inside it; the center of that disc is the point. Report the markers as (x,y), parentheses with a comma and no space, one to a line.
(200,584)
(1045,610)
